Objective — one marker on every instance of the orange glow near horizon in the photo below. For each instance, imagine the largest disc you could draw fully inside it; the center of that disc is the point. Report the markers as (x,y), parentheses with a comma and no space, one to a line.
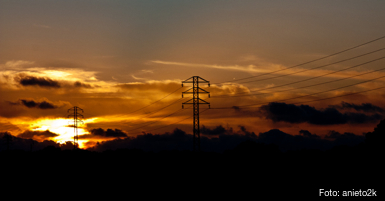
(61,127)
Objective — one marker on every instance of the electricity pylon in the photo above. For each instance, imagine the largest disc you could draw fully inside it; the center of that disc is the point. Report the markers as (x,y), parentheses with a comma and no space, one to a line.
(76,116)
(196,101)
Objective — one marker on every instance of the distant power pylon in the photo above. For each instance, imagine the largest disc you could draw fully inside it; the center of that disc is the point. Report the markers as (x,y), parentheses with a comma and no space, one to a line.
(76,116)
(196,90)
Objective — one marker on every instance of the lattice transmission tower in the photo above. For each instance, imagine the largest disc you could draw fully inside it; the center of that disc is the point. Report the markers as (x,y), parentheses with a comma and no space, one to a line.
(75,114)
(196,101)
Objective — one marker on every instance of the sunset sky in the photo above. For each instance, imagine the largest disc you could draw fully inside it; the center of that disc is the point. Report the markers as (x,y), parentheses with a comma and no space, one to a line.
(112,58)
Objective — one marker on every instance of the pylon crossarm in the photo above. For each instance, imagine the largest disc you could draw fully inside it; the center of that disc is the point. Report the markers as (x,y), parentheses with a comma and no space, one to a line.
(204,102)
(199,78)
(198,102)
(204,91)
(186,81)
(194,82)
(191,80)
(203,79)
(187,102)
(191,92)
(188,91)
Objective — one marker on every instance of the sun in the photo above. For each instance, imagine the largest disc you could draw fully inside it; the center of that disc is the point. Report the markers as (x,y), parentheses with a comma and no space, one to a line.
(63,128)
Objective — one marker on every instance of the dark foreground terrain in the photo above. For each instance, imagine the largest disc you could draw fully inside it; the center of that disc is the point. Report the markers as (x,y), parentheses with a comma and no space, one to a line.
(251,169)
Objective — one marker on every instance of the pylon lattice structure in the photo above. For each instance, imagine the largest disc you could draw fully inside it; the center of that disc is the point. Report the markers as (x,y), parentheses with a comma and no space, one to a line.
(75,114)
(196,101)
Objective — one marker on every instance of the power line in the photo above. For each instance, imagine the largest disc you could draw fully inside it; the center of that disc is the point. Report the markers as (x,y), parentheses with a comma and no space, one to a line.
(312,100)
(314,67)
(165,126)
(159,119)
(283,85)
(307,85)
(172,123)
(281,76)
(377,39)
(155,101)
(151,113)
(156,121)
(149,104)
(250,105)
(339,95)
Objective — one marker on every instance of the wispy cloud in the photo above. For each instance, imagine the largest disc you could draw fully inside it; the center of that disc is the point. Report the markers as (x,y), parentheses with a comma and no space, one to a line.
(147,71)
(18,63)
(277,69)
(142,72)
(248,68)
(138,78)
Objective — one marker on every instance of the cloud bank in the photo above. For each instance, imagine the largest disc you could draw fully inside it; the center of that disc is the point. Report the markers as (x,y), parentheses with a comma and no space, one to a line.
(283,112)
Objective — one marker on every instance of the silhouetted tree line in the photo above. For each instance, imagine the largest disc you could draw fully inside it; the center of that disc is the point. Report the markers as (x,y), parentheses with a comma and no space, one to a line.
(247,150)
(249,167)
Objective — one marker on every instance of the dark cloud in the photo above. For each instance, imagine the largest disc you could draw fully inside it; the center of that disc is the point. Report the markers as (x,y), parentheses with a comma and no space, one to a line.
(304,113)
(83,85)
(360,118)
(39,81)
(34,104)
(365,107)
(29,103)
(108,132)
(46,105)
(30,134)
(236,108)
